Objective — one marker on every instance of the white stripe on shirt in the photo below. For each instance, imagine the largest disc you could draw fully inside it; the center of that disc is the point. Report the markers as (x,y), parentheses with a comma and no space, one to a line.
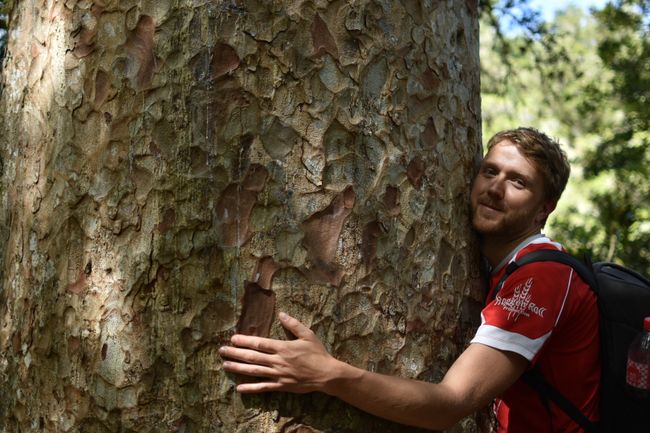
(497,338)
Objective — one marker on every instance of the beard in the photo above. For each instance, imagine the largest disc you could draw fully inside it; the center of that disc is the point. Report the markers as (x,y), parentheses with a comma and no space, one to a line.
(494,220)
(486,225)
(487,215)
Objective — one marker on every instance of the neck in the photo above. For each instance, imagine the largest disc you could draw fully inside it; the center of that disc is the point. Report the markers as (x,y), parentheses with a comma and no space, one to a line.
(495,248)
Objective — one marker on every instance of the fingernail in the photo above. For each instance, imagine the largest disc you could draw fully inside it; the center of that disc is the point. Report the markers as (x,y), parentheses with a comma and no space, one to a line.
(283,316)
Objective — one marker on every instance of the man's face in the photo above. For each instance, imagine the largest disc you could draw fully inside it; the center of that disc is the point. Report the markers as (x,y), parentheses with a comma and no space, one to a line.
(507,197)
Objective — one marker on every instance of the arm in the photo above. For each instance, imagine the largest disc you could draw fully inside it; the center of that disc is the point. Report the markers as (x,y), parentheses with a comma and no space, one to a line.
(303,365)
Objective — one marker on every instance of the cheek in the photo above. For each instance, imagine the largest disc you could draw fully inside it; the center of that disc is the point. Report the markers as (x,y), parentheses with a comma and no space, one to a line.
(474,191)
(521,198)
(473,202)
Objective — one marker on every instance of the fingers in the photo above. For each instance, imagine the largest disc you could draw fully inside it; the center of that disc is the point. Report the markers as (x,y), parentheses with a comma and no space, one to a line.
(257,387)
(257,371)
(295,326)
(275,380)
(270,345)
(249,369)
(286,365)
(246,355)
(254,388)
(259,344)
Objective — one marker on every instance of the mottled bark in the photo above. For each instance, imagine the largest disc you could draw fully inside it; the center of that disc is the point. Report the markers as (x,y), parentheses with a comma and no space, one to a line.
(175,169)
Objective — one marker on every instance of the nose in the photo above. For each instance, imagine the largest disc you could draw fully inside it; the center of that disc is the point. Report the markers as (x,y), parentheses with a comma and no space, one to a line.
(496,188)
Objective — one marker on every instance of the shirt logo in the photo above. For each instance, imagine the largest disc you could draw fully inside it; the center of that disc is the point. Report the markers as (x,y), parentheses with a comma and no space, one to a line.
(520,303)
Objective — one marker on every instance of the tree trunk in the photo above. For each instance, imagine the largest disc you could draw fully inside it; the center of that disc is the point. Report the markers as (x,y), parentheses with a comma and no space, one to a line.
(176,170)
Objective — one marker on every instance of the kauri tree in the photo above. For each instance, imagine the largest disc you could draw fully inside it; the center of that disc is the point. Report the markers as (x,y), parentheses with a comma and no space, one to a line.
(173,170)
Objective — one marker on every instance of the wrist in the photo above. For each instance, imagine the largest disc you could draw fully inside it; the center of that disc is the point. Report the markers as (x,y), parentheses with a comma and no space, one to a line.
(340,375)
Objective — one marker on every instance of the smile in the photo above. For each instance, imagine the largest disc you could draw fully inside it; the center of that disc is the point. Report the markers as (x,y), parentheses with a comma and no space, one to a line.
(491,207)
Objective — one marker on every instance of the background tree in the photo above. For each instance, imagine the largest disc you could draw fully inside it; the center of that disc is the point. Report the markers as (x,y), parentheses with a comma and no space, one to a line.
(174,169)
(583,78)
(3,29)
(622,156)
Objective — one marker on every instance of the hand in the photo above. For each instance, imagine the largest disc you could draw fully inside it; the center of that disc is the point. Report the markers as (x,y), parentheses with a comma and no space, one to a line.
(301,365)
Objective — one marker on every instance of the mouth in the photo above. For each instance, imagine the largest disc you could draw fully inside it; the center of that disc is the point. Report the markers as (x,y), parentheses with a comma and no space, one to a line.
(491,206)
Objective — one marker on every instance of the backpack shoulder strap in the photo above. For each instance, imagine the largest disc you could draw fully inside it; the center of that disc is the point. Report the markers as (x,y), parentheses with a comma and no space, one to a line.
(534,377)
(584,270)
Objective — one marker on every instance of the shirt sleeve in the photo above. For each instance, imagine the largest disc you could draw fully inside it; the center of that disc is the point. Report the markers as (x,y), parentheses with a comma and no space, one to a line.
(524,313)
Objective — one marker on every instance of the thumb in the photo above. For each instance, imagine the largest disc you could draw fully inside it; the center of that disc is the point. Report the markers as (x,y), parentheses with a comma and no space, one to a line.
(294,326)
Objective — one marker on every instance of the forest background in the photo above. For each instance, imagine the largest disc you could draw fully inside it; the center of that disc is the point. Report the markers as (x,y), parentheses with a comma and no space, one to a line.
(582,76)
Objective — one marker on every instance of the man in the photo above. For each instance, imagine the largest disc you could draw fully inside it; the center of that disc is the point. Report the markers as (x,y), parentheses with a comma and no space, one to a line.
(543,316)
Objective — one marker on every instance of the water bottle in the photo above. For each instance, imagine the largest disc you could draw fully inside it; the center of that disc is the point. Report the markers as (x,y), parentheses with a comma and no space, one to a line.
(638,363)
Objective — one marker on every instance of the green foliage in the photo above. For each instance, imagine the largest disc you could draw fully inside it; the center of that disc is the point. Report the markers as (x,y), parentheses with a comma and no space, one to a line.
(622,154)
(584,78)
(4,24)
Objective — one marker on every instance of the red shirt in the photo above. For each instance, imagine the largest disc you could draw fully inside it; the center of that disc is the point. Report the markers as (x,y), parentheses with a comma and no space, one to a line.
(547,314)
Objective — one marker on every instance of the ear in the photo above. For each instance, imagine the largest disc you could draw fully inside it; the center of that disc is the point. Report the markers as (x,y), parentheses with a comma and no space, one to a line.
(547,208)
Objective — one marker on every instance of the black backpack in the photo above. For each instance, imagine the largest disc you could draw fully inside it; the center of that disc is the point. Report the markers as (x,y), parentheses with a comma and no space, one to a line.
(623,302)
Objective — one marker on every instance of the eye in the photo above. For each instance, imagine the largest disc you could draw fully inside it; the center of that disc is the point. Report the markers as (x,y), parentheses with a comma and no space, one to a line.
(519,183)
(489,171)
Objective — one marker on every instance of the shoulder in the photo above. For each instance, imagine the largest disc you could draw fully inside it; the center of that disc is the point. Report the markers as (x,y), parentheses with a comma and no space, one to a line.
(574,269)
(547,269)
(512,263)
(541,243)
(546,282)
